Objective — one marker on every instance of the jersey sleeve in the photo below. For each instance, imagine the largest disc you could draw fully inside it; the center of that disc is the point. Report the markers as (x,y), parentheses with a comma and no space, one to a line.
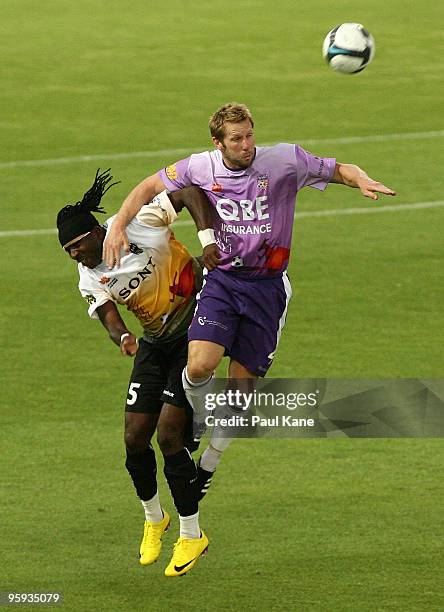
(158,213)
(92,292)
(176,176)
(313,171)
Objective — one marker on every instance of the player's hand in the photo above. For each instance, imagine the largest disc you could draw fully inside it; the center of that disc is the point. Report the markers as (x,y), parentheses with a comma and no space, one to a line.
(129,345)
(370,188)
(210,256)
(115,241)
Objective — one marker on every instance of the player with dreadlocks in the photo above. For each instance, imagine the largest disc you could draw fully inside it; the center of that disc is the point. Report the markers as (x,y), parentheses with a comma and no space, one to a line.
(157,280)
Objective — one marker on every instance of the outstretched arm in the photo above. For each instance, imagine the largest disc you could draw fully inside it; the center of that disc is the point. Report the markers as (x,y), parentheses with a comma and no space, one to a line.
(199,207)
(116,238)
(116,328)
(354,176)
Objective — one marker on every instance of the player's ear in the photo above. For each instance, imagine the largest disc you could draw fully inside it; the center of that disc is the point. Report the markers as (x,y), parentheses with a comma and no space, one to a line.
(98,232)
(217,143)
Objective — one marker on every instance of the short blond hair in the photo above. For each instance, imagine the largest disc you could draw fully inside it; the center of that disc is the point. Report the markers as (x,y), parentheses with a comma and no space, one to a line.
(228,113)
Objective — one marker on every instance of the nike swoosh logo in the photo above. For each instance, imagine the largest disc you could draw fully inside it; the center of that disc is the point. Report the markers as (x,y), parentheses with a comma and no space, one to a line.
(181,567)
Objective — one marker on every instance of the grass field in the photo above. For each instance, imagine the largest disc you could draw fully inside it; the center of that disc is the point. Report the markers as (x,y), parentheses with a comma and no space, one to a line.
(325,525)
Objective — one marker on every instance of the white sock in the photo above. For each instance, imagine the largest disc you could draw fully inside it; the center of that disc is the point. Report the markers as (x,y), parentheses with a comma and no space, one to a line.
(153,511)
(220,444)
(210,459)
(189,526)
(220,439)
(196,392)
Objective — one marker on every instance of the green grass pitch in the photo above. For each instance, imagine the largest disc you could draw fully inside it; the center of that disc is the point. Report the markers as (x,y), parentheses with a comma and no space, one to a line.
(323,525)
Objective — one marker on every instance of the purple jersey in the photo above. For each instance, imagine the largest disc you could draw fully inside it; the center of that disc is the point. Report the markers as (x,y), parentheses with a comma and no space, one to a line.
(254,207)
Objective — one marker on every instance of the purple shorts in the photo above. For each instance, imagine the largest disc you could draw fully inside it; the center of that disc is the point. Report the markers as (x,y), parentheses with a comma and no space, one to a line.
(245,316)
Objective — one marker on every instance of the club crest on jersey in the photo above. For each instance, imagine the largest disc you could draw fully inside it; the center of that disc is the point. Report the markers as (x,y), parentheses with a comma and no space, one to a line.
(90,299)
(216,187)
(262,181)
(104,280)
(171,172)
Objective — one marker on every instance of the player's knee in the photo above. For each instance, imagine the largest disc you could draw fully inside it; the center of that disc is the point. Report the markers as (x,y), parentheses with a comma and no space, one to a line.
(203,359)
(198,371)
(139,429)
(169,439)
(199,367)
(135,442)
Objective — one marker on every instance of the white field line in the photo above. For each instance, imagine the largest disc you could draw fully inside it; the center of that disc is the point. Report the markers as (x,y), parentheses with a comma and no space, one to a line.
(171,154)
(338,212)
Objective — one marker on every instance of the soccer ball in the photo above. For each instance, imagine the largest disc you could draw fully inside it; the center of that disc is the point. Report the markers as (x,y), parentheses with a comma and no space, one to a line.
(349,48)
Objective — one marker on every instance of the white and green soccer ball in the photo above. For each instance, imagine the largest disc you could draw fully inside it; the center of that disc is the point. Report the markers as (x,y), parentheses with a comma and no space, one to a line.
(349,48)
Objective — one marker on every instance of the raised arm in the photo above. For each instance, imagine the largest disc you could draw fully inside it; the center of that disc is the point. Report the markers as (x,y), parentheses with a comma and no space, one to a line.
(354,176)
(116,238)
(199,207)
(116,328)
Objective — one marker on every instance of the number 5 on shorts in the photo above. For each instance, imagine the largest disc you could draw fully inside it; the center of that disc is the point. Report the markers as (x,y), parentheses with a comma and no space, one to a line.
(132,393)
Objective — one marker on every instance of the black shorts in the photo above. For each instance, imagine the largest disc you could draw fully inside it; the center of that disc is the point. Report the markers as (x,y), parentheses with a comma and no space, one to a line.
(157,376)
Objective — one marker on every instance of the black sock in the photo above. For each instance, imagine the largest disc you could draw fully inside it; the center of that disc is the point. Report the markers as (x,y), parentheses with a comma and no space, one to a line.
(180,472)
(142,469)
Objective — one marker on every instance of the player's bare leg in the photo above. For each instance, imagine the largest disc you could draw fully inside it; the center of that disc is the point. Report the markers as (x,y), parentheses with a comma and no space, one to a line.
(203,359)
(171,429)
(237,371)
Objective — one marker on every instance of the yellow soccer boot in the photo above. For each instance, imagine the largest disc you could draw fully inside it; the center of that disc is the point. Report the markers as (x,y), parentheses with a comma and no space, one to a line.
(152,540)
(186,553)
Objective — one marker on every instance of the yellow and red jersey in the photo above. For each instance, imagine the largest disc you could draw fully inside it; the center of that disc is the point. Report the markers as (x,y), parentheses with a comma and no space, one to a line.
(157,280)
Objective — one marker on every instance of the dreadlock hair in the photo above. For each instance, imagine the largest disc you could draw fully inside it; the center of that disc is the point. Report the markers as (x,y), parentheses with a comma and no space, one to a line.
(77,219)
